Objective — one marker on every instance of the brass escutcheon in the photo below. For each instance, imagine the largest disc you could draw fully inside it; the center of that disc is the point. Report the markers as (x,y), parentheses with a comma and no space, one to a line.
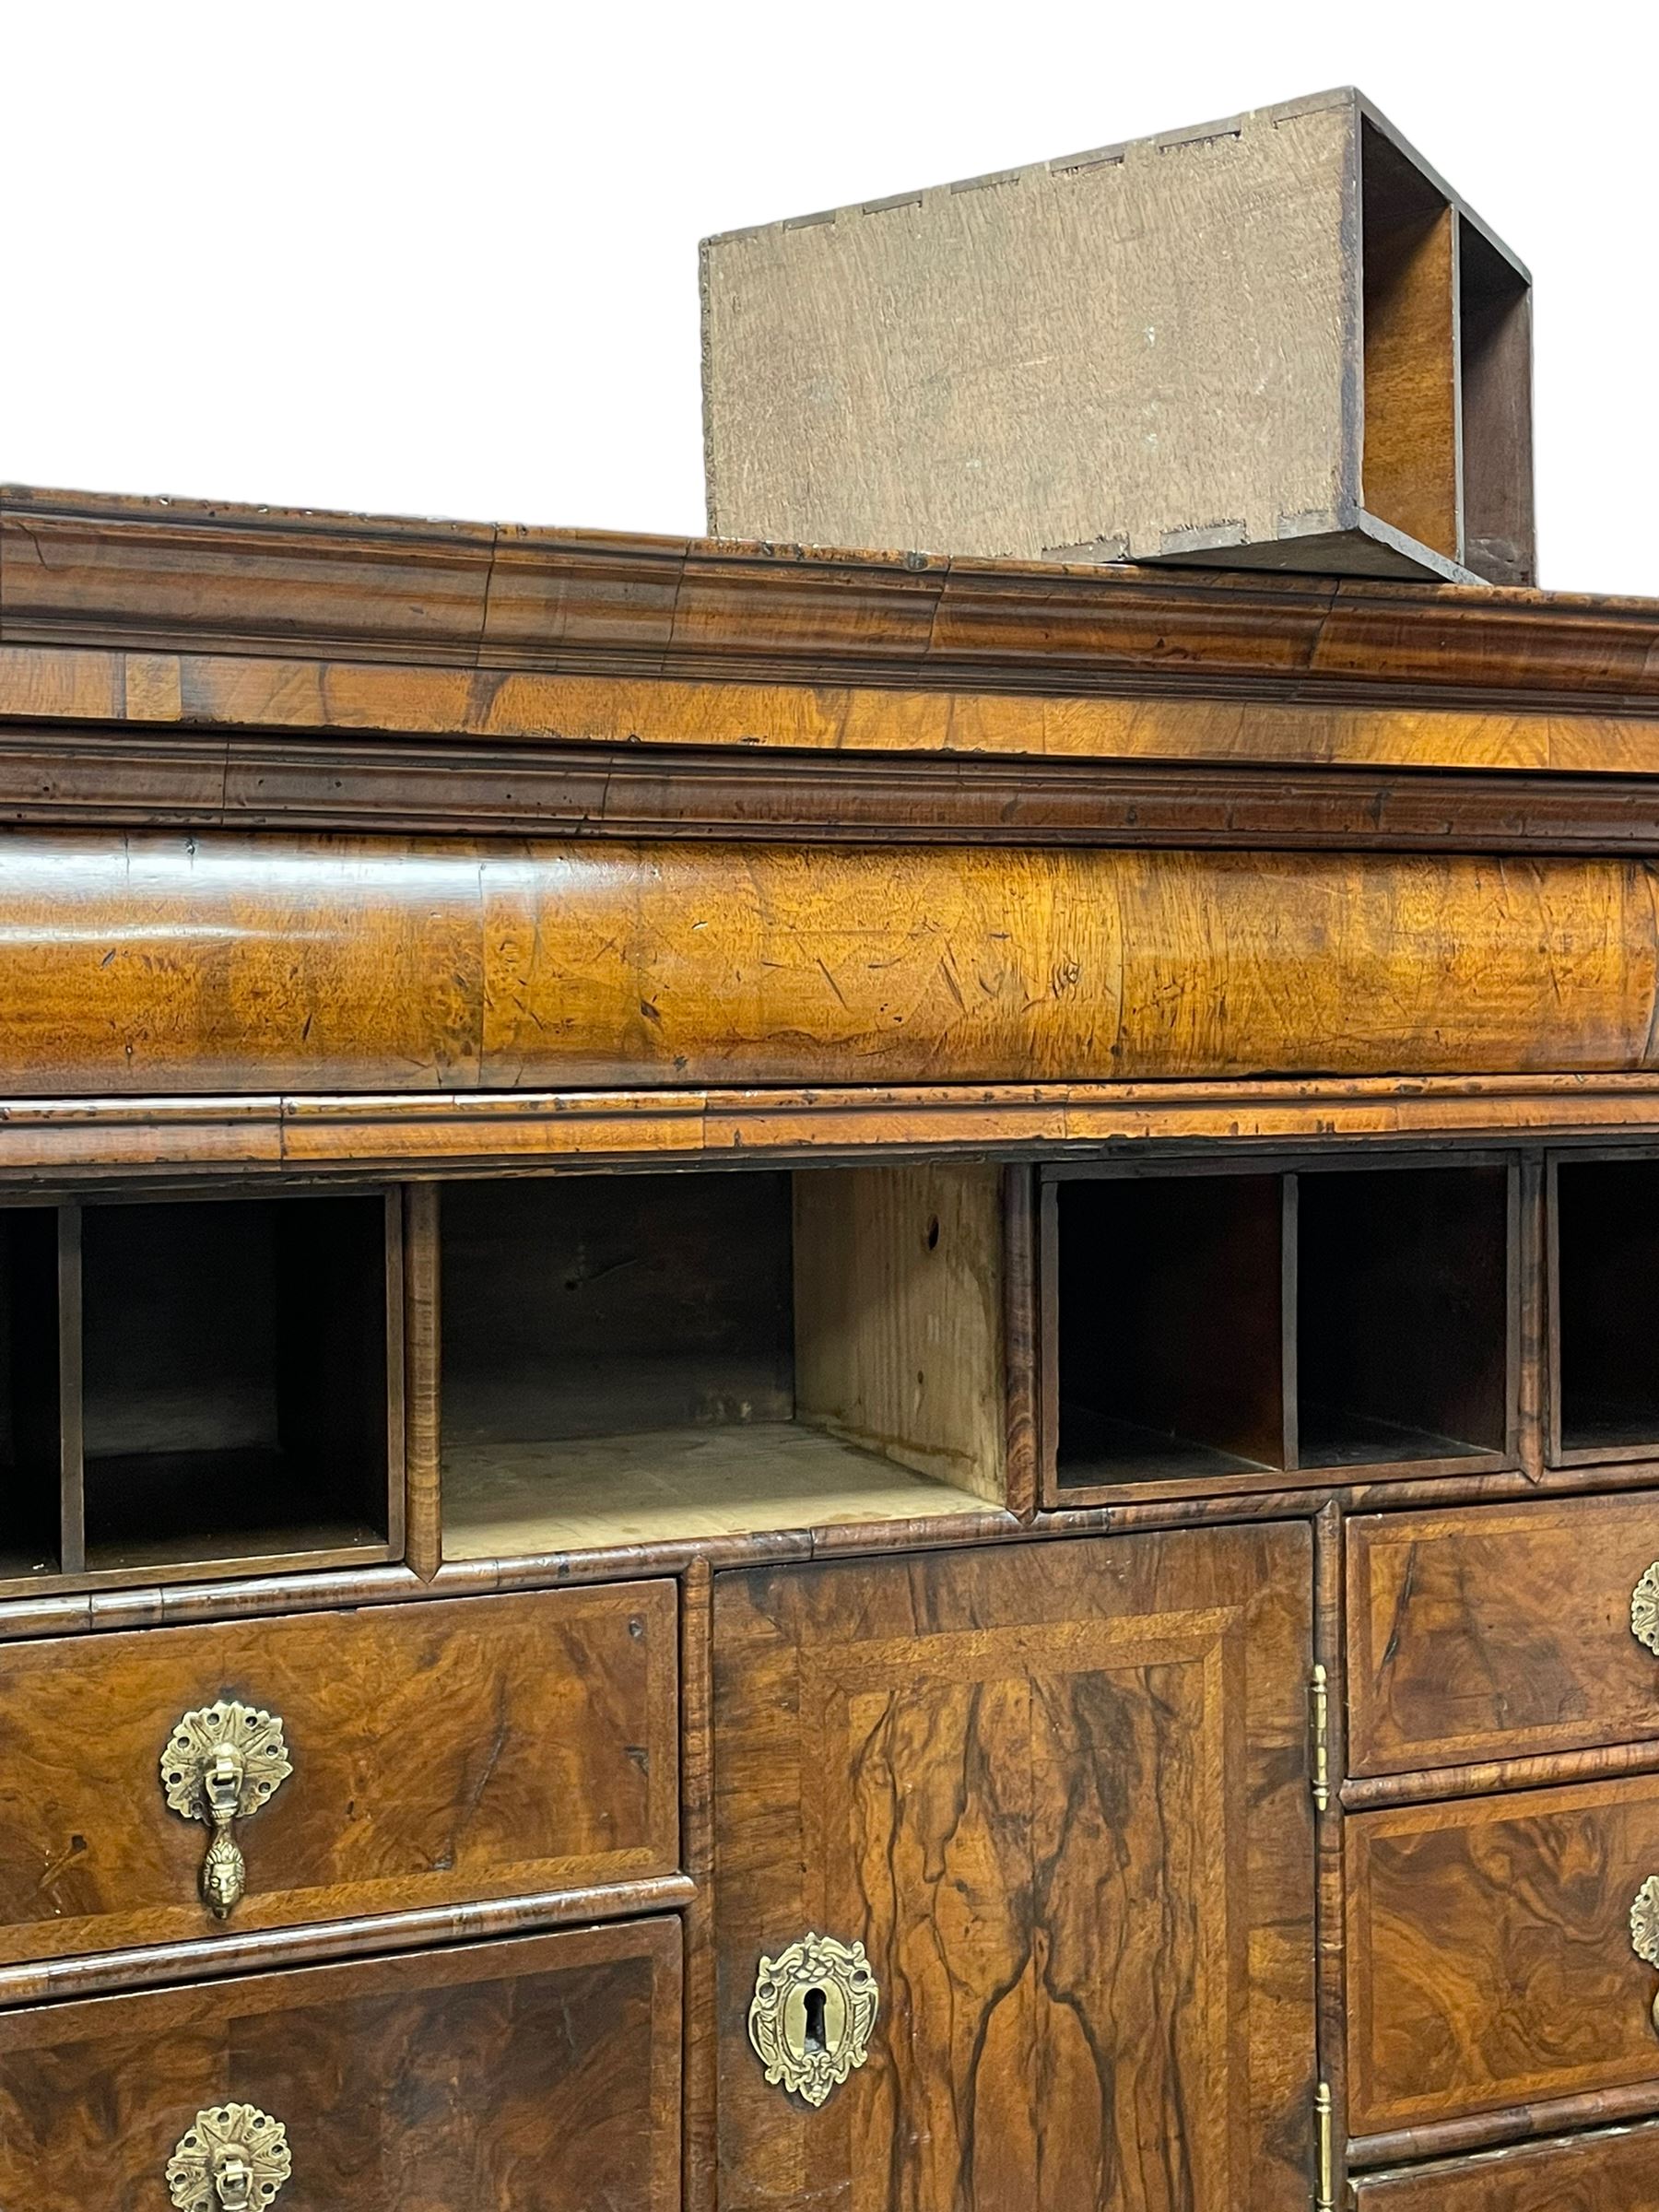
(234,2158)
(814,2009)
(221,1765)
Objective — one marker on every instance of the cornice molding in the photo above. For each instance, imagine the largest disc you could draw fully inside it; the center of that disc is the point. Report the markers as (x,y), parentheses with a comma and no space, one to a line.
(157,575)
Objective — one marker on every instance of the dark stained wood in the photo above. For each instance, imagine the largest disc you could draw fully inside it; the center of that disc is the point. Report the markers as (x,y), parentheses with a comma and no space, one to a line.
(1611,2172)
(440,1754)
(1405,1298)
(1169,1310)
(71,774)
(1603,1377)
(144,578)
(1490,1955)
(543,2075)
(1499,1632)
(1026,1779)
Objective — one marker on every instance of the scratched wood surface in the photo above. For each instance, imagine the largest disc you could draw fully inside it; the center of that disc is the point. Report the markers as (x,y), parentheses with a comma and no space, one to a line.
(1490,1955)
(1617,2170)
(542,2075)
(161,963)
(1060,1793)
(1498,1633)
(440,1752)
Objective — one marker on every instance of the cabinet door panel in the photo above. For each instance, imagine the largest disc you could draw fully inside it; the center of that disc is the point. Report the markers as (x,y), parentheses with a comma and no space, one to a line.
(1059,1791)
(541,2075)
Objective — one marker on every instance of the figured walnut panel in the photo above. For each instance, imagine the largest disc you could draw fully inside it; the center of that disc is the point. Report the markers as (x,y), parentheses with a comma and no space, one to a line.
(542,2075)
(159,963)
(1490,1955)
(501,1747)
(1498,1633)
(1614,2171)
(1059,1791)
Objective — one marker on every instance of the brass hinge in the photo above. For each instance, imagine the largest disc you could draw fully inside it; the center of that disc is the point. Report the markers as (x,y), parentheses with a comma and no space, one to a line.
(1326,2199)
(1319,1716)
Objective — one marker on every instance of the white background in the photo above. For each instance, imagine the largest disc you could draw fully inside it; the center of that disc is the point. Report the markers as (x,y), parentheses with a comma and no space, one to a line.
(441,259)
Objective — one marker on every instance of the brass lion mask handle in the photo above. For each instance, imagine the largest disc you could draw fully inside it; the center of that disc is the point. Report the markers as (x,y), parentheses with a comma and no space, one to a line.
(1644,1928)
(813,2012)
(220,1766)
(233,2158)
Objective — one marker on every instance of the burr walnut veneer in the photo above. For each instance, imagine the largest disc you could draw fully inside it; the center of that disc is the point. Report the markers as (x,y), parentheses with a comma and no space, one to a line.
(825,1381)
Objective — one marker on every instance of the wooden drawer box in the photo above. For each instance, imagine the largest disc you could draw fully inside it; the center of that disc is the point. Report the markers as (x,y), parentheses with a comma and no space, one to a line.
(1617,2170)
(1498,1632)
(441,1753)
(542,2075)
(1490,1961)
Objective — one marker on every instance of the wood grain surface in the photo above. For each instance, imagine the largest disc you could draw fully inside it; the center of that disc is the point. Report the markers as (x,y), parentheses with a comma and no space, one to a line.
(1489,1955)
(1614,2171)
(542,2075)
(1502,1631)
(1059,1791)
(441,1753)
(155,964)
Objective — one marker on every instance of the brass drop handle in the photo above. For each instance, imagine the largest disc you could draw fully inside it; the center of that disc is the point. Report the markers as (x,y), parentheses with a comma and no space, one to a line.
(1644,1610)
(220,1766)
(813,2012)
(1644,1928)
(232,2159)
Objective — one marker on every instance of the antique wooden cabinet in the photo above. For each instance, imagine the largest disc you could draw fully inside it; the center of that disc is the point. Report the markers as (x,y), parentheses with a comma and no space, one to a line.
(824,1383)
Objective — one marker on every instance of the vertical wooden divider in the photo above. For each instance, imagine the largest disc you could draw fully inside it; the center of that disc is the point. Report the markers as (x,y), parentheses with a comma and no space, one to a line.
(1289,1314)
(72,1487)
(1048,1342)
(422,1301)
(1331,1955)
(1531,1315)
(700,2025)
(1020,1336)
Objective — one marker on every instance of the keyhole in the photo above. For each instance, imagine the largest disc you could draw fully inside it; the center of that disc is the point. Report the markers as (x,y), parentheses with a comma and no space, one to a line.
(815,2020)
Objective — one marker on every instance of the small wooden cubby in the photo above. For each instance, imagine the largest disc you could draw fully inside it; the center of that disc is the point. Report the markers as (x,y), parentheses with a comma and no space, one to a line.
(202,1386)
(630,1358)
(1603,1300)
(1206,1329)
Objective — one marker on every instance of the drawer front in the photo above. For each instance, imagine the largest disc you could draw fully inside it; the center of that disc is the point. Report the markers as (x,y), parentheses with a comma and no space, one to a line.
(542,2075)
(1498,1633)
(1617,2170)
(1490,1959)
(439,1753)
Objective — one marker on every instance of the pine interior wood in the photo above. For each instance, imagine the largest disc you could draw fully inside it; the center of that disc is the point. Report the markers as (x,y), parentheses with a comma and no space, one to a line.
(658,1358)
(583,1493)
(539,2074)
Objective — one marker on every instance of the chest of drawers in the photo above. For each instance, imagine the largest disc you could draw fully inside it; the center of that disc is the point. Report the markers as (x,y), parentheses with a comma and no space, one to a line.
(824,1381)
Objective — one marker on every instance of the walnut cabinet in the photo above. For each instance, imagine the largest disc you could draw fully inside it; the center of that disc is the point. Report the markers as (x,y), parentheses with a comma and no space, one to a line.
(824,1381)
